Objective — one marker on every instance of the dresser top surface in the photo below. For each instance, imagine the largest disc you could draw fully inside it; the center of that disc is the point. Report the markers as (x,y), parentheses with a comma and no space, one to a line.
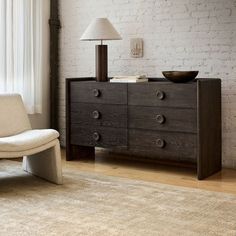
(150,80)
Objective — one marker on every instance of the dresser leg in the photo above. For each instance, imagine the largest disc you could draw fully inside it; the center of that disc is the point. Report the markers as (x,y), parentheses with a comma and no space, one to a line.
(74,152)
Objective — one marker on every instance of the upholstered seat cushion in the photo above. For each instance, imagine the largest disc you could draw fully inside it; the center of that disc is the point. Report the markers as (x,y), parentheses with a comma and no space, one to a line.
(27,140)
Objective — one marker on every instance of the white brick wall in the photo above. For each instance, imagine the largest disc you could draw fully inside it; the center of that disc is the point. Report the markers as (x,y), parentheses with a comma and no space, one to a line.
(178,35)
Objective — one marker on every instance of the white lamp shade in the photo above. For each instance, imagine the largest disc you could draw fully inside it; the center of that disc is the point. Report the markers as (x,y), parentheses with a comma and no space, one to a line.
(100,29)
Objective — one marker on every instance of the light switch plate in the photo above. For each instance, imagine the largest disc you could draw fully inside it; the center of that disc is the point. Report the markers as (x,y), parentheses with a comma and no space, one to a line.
(136,47)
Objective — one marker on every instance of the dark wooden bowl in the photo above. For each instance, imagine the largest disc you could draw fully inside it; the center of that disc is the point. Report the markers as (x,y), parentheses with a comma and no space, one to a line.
(180,76)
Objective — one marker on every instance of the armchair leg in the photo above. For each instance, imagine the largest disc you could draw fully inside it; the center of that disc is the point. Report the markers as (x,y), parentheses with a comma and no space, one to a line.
(46,164)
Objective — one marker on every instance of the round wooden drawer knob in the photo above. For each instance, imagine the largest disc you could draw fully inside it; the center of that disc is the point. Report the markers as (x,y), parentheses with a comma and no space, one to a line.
(160,119)
(96,92)
(96,136)
(160,143)
(160,95)
(96,114)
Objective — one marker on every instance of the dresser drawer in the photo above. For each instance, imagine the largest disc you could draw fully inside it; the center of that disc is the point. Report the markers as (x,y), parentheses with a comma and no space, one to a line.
(164,144)
(160,118)
(163,94)
(95,92)
(99,115)
(98,136)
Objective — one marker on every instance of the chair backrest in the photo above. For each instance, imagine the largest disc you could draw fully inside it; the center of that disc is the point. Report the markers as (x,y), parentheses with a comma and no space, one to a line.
(13,116)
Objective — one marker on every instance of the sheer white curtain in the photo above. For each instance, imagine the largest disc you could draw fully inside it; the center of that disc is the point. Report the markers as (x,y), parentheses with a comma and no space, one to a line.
(21,50)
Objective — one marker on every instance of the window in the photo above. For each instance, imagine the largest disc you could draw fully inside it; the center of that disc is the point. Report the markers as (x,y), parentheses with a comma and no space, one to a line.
(21,51)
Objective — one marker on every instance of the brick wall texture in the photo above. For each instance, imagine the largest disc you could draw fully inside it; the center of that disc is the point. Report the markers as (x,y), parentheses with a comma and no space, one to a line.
(178,35)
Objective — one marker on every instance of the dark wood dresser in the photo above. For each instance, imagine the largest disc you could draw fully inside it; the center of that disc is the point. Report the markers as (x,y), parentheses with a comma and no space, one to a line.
(180,122)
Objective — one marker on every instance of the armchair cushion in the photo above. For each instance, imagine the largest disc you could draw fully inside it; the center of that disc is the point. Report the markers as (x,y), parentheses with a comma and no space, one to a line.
(27,140)
(13,118)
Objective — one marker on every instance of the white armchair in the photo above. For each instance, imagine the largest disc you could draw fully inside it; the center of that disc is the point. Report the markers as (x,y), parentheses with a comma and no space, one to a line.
(40,149)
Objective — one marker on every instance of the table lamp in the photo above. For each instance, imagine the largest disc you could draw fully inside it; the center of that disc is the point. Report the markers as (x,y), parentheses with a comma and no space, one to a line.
(100,29)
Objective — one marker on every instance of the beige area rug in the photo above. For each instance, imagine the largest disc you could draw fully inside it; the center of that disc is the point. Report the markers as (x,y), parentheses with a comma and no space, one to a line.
(94,204)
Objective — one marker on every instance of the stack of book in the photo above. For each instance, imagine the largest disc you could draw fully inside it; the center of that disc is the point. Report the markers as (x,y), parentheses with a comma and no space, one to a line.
(129,79)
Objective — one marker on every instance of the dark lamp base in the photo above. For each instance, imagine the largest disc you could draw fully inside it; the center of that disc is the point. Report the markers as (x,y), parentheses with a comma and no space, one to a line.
(101,63)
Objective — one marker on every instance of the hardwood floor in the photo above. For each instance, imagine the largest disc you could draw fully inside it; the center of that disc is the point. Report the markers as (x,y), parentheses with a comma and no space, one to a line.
(109,164)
